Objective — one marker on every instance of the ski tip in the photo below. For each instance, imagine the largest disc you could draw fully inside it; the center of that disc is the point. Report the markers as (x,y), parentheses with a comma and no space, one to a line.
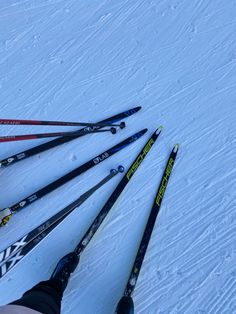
(140,133)
(121,168)
(158,131)
(138,108)
(176,148)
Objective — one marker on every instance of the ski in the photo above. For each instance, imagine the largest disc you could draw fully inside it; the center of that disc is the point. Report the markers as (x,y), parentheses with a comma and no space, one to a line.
(14,253)
(55,123)
(5,214)
(64,264)
(58,141)
(125,305)
(23,137)
(116,193)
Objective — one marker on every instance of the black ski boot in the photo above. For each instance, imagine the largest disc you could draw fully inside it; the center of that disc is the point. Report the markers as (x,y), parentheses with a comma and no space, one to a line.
(125,306)
(64,268)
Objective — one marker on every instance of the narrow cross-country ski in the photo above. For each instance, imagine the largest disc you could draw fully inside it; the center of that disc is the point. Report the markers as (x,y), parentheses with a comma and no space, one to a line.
(116,193)
(5,214)
(58,141)
(68,263)
(55,123)
(14,253)
(24,137)
(126,305)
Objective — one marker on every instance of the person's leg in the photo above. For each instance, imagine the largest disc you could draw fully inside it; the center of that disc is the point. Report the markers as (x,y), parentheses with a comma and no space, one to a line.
(45,297)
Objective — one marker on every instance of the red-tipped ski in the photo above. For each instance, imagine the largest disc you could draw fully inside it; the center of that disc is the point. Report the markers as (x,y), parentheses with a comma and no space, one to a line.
(55,123)
(61,140)
(23,137)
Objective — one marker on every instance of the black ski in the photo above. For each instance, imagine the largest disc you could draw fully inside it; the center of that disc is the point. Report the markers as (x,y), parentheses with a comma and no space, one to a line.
(5,214)
(23,246)
(64,267)
(125,305)
(58,141)
(13,254)
(54,123)
(116,193)
(24,137)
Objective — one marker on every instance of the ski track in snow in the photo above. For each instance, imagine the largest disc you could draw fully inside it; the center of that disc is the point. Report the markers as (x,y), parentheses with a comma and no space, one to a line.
(79,60)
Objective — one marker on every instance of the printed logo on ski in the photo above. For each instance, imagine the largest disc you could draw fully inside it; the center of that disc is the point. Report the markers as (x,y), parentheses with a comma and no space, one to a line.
(5,256)
(20,156)
(44,226)
(10,263)
(32,198)
(100,158)
(164,182)
(132,281)
(140,158)
(88,129)
(9,160)
(22,204)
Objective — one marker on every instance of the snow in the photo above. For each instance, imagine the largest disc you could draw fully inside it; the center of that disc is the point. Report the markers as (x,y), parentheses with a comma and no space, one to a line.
(79,60)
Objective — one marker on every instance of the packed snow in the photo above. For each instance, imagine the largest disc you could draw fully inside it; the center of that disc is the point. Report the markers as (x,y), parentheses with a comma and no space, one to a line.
(85,61)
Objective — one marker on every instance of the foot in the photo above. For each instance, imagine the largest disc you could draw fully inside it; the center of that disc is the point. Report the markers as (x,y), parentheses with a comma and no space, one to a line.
(65,267)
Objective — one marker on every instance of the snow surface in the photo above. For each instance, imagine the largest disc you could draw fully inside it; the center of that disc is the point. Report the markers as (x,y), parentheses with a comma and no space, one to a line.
(86,60)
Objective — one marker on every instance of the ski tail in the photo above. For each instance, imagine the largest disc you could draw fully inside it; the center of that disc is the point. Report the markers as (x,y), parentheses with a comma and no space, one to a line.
(150,224)
(116,193)
(23,246)
(5,214)
(58,141)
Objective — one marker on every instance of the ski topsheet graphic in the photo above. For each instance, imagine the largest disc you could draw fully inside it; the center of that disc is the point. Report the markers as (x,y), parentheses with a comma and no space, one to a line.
(24,137)
(58,141)
(125,304)
(56,123)
(23,246)
(116,193)
(13,254)
(5,214)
